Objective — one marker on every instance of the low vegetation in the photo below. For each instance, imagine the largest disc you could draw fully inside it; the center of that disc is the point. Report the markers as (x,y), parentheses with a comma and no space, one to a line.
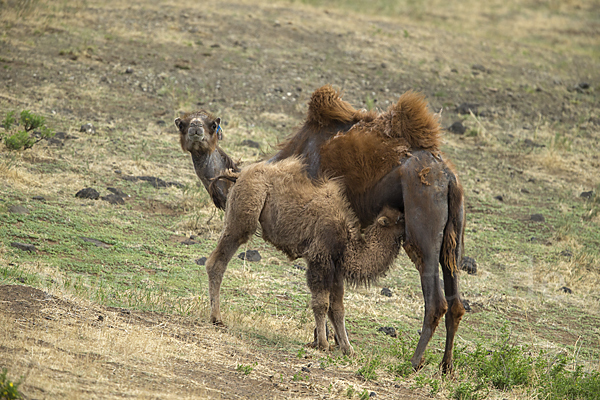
(114,291)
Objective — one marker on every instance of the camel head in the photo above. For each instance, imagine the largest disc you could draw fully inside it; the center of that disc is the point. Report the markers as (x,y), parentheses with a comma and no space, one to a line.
(391,220)
(199,131)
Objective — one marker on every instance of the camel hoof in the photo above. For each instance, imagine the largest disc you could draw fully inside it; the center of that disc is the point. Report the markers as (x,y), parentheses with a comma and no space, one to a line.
(349,351)
(315,345)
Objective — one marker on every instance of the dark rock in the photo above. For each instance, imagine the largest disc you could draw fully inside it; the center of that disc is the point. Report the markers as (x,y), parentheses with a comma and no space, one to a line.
(156,182)
(114,199)
(201,261)
(55,142)
(566,290)
(88,193)
(250,255)
(129,70)
(372,394)
(467,108)
(305,369)
(300,267)
(566,253)
(118,192)
(538,218)
(38,198)
(100,318)
(386,292)
(499,197)
(524,191)
(469,265)
(18,209)
(388,330)
(250,143)
(24,246)
(587,195)
(583,85)
(531,143)
(478,67)
(87,128)
(96,242)
(457,127)
(467,305)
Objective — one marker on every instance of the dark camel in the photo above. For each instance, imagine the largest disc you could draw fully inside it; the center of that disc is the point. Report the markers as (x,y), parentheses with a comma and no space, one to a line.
(312,220)
(393,159)
(199,134)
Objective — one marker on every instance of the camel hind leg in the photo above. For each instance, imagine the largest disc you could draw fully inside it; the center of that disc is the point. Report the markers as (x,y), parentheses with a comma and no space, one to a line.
(244,205)
(336,314)
(318,278)
(426,213)
(450,260)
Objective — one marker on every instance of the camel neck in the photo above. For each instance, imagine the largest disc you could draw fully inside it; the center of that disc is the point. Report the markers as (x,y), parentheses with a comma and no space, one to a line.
(208,165)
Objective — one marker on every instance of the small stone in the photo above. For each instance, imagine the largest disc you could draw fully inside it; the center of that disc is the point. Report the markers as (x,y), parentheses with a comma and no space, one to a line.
(18,209)
(300,267)
(566,290)
(372,394)
(566,253)
(23,246)
(457,127)
(386,292)
(467,305)
(201,261)
(129,70)
(100,318)
(469,265)
(38,198)
(587,195)
(584,85)
(467,108)
(499,197)
(116,191)
(88,193)
(114,199)
(538,218)
(250,255)
(250,143)
(96,242)
(388,330)
(525,191)
(478,67)
(88,128)
(305,369)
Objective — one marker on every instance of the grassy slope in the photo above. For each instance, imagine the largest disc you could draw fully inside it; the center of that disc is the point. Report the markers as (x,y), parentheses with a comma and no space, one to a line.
(268,60)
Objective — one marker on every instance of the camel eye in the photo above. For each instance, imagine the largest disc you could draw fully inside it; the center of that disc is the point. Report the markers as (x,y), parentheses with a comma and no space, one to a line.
(214,125)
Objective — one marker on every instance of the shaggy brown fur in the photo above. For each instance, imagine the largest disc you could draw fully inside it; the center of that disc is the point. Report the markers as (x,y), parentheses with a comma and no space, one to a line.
(394,159)
(199,133)
(307,219)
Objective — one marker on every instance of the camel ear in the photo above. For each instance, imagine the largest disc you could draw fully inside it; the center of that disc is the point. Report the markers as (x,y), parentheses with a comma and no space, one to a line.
(219,129)
(178,123)
(384,221)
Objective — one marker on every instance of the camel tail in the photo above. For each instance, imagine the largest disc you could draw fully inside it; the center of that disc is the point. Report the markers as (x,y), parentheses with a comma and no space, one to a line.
(216,192)
(453,245)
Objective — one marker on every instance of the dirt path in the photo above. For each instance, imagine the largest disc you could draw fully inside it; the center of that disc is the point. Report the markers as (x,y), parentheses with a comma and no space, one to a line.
(75,350)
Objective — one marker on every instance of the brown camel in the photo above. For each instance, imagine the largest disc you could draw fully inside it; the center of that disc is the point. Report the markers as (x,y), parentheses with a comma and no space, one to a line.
(199,133)
(393,159)
(312,220)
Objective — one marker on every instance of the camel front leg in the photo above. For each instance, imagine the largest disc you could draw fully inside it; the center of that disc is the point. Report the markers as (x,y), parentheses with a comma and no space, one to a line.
(215,268)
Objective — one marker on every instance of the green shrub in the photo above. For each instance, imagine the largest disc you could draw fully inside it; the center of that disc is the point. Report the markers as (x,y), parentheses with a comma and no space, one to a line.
(8,389)
(17,139)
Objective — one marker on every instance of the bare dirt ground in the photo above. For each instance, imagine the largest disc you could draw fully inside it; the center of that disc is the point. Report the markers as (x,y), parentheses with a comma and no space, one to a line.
(62,347)
(522,79)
